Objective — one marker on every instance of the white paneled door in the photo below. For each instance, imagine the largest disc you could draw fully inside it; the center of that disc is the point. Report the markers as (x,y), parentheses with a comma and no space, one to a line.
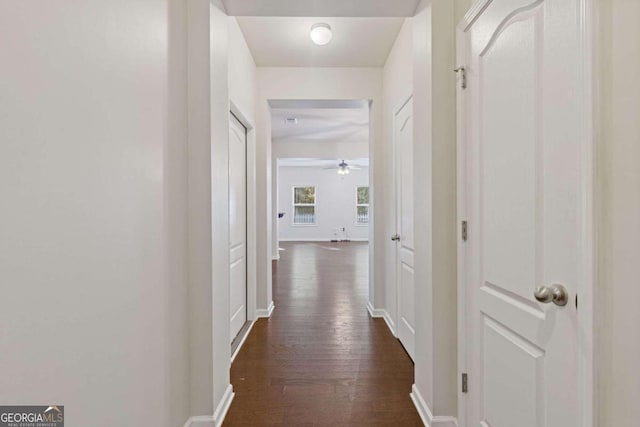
(237,224)
(403,139)
(522,154)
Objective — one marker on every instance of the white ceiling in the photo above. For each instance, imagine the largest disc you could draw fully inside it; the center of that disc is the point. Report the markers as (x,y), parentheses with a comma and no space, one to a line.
(321,7)
(320,124)
(323,163)
(285,42)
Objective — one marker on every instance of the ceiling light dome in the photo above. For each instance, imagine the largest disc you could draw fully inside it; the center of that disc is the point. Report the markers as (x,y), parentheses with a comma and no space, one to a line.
(321,33)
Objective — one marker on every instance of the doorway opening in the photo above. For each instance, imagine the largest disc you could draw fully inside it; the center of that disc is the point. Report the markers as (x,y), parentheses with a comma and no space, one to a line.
(321,342)
(321,176)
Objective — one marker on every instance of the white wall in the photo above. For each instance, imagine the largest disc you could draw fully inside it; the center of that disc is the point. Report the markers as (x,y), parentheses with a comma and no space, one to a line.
(324,84)
(220,69)
(242,71)
(398,87)
(320,150)
(335,203)
(242,94)
(208,188)
(619,140)
(436,371)
(420,63)
(93,259)
(310,150)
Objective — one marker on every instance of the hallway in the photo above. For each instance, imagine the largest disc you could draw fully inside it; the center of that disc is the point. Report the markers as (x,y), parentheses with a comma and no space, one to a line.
(321,359)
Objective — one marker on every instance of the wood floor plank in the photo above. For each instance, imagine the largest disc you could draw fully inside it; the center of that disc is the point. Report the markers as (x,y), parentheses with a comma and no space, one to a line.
(320,360)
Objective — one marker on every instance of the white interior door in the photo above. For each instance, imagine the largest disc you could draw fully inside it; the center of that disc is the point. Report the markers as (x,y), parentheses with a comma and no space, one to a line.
(237,224)
(522,149)
(403,138)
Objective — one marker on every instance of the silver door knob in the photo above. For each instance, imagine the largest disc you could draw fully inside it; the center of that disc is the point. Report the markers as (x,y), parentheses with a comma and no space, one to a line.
(555,293)
(395,238)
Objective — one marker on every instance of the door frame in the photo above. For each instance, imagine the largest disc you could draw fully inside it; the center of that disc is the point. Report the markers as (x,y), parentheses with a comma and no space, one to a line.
(396,197)
(251,214)
(586,288)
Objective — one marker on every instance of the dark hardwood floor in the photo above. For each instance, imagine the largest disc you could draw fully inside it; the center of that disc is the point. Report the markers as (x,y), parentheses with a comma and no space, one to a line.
(320,360)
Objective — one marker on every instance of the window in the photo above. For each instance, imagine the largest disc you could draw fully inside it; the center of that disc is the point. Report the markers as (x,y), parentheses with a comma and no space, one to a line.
(304,205)
(362,205)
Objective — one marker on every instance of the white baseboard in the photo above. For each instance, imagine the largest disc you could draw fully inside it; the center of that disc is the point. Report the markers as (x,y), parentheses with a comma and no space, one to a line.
(322,240)
(428,418)
(244,338)
(383,314)
(223,406)
(261,313)
(374,312)
(305,240)
(200,421)
(275,257)
(390,323)
(217,418)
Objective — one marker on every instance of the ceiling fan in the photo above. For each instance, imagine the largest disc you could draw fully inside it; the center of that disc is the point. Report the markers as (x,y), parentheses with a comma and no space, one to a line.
(343,168)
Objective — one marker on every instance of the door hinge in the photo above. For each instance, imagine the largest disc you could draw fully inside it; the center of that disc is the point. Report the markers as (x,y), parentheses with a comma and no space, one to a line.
(465,231)
(463,76)
(465,383)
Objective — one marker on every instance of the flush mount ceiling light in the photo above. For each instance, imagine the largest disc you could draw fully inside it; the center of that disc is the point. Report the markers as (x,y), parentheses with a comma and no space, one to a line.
(321,33)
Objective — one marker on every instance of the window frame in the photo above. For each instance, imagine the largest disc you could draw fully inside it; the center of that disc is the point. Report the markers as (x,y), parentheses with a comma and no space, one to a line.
(367,205)
(314,205)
